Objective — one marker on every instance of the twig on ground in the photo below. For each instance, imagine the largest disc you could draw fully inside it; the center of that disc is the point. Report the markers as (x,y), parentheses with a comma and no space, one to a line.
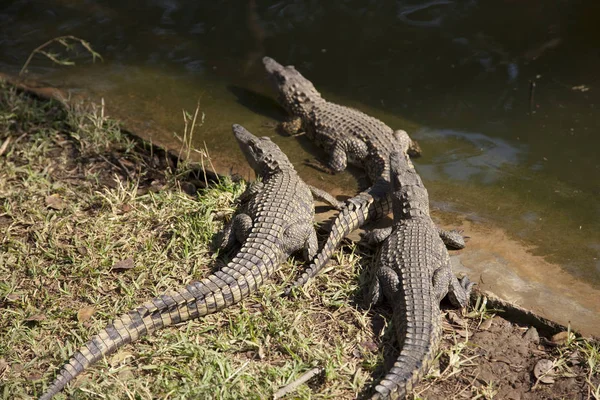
(294,385)
(4,145)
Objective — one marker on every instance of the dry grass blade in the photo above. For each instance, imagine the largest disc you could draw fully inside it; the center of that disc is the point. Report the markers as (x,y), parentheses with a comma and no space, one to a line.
(67,41)
(292,386)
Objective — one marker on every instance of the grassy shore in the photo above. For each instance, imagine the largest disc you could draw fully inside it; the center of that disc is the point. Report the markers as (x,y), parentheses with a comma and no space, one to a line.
(93,223)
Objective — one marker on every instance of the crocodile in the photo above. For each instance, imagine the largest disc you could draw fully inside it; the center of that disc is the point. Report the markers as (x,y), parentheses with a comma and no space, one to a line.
(348,135)
(275,221)
(414,274)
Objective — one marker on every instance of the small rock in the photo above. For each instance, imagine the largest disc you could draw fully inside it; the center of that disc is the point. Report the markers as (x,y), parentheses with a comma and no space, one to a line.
(486,376)
(574,358)
(156,186)
(370,345)
(560,338)
(532,335)
(126,374)
(463,333)
(82,250)
(85,313)
(456,320)
(12,298)
(55,202)
(543,371)
(485,325)
(188,188)
(36,317)
(34,376)
(123,265)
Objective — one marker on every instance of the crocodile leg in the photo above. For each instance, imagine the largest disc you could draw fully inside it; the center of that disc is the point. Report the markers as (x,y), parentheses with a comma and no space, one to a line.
(311,246)
(453,239)
(414,150)
(251,190)
(236,231)
(347,149)
(291,127)
(460,291)
(376,236)
(326,197)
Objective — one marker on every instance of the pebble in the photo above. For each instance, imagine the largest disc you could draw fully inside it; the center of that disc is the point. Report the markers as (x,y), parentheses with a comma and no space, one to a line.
(560,338)
(485,325)
(532,335)
(543,371)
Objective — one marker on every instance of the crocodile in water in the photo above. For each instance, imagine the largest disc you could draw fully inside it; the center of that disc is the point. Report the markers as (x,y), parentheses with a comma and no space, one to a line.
(413,273)
(276,221)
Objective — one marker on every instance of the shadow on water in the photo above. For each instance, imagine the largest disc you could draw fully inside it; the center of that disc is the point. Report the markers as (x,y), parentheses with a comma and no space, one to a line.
(258,103)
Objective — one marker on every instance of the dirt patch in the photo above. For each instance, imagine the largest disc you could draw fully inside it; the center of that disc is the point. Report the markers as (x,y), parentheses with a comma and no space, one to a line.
(497,359)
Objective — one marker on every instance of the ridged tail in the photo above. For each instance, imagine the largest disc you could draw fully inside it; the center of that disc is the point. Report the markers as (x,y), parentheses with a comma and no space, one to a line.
(417,319)
(225,287)
(366,206)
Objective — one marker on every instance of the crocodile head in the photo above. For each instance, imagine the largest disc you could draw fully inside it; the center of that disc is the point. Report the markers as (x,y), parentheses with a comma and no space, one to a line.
(296,93)
(409,195)
(264,156)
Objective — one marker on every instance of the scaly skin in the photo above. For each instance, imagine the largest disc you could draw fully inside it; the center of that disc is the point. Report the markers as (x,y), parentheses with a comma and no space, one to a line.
(348,135)
(413,272)
(277,221)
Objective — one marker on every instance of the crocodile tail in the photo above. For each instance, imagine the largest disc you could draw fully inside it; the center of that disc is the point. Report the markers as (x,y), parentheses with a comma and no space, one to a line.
(418,326)
(366,206)
(220,290)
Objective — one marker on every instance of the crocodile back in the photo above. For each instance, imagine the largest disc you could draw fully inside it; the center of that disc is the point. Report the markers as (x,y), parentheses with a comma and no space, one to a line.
(328,123)
(285,203)
(414,252)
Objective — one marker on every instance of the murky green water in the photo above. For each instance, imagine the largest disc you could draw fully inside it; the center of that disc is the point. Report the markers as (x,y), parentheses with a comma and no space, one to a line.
(457,75)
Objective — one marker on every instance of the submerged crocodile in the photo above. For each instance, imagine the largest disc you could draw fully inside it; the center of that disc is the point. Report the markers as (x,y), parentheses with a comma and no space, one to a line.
(276,221)
(348,135)
(413,273)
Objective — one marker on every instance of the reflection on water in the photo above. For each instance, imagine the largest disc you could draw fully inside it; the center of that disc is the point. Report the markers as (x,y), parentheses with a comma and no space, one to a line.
(470,156)
(502,96)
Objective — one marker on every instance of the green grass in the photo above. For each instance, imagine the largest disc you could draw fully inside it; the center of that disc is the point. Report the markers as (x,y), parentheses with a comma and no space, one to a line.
(56,259)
